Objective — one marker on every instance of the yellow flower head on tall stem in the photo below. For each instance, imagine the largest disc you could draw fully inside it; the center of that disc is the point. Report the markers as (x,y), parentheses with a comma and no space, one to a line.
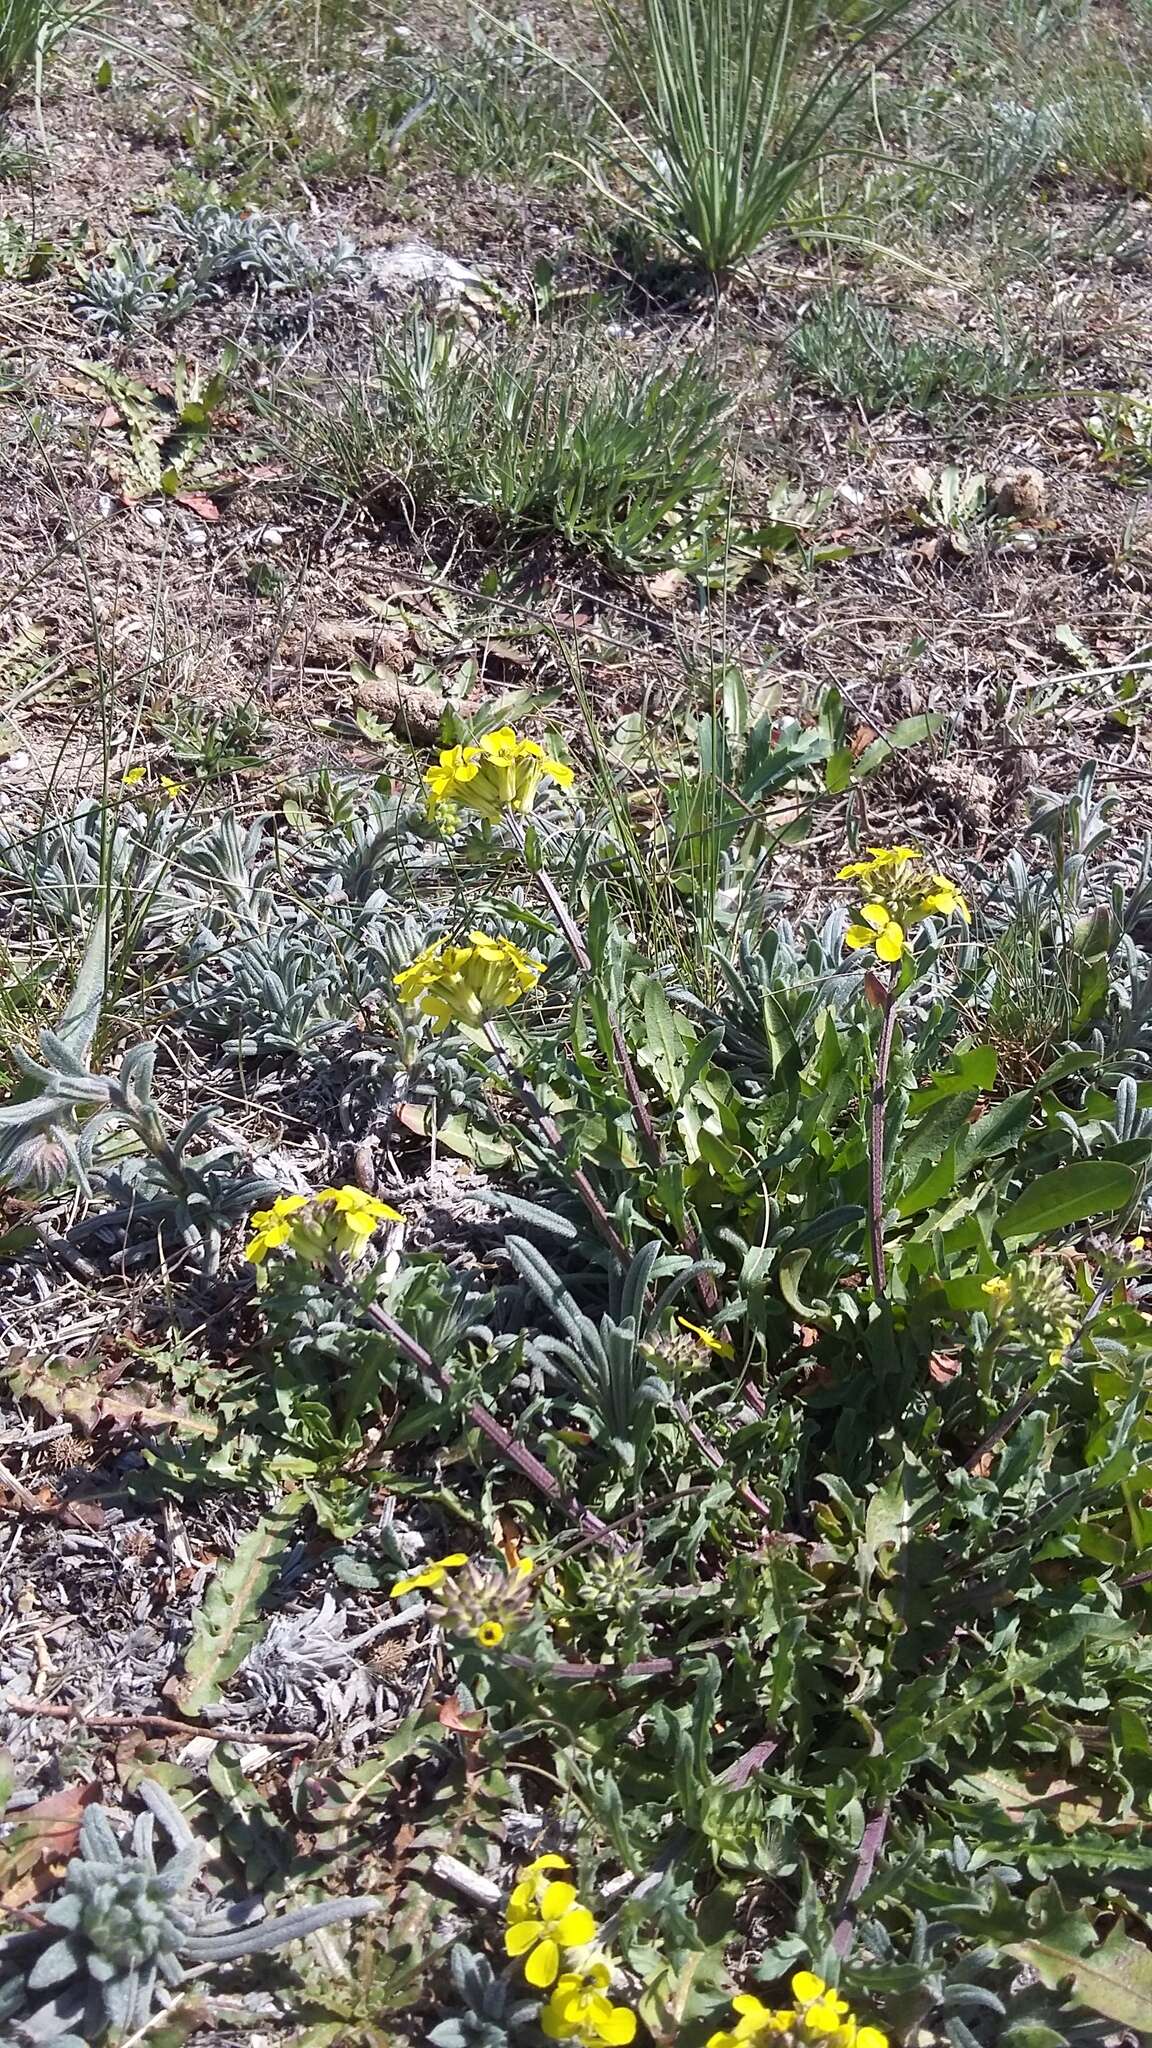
(500,773)
(906,891)
(467,984)
(336,1221)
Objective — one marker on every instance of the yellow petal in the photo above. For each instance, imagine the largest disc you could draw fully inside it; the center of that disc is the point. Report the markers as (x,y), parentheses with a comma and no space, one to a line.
(890,943)
(520,1938)
(871,2037)
(876,914)
(557,1897)
(576,1927)
(542,1964)
(619,2027)
(858,935)
(806,1987)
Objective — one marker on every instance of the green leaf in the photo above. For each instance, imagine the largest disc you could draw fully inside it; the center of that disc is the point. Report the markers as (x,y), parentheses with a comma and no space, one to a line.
(908,732)
(77,1026)
(973,1068)
(998,1131)
(665,1049)
(934,1185)
(1088,1187)
(928,1141)
(1115,1979)
(838,771)
(229,1621)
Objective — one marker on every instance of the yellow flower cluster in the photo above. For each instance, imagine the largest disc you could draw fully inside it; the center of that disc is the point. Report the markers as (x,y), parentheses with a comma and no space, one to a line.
(467,984)
(555,1936)
(819,2017)
(903,892)
(336,1221)
(133,777)
(500,773)
(478,1604)
(1030,1305)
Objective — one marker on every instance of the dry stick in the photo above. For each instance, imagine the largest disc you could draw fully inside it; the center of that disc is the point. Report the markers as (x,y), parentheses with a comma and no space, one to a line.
(162,1723)
(514,1454)
(876,1149)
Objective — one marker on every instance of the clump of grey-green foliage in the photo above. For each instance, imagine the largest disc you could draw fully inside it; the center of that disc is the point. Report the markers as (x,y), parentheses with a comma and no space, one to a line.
(125,1931)
(207,252)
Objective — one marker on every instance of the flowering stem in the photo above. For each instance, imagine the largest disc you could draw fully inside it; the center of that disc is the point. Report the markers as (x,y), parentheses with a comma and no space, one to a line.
(505,1446)
(551,1131)
(876,1147)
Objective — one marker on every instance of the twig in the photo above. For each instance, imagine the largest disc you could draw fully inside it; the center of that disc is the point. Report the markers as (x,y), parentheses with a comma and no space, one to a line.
(871,1843)
(876,1148)
(27,1500)
(163,1724)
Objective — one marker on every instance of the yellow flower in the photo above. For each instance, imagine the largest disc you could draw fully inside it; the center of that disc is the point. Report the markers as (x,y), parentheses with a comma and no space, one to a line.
(491,1634)
(501,773)
(757,2023)
(466,984)
(133,777)
(807,1988)
(358,1216)
(272,1228)
(430,1574)
(580,2010)
(880,858)
(710,1341)
(351,1221)
(545,1920)
(945,899)
(819,2019)
(877,927)
(171,789)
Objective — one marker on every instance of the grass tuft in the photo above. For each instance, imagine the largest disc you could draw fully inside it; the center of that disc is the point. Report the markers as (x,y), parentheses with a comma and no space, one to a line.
(851,350)
(629,466)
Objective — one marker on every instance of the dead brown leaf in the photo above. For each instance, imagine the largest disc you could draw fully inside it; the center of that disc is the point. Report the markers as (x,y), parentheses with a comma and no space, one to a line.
(45,1836)
(204,508)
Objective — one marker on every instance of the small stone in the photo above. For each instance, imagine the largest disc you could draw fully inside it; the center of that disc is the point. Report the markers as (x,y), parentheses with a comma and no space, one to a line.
(152,515)
(1020,494)
(414,266)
